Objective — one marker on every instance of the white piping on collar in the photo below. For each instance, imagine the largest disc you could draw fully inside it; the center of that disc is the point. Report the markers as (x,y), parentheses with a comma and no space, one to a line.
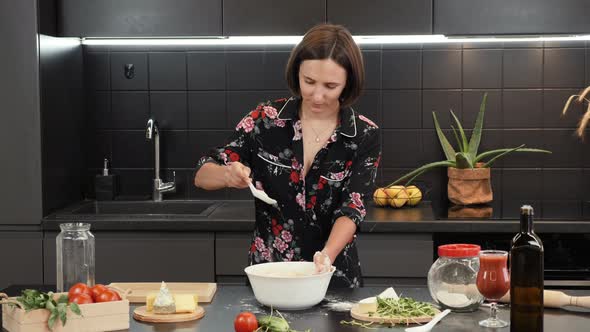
(282,108)
(272,162)
(353,118)
(354,123)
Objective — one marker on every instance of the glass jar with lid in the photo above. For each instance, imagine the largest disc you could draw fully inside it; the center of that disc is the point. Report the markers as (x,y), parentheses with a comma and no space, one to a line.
(452,277)
(74,255)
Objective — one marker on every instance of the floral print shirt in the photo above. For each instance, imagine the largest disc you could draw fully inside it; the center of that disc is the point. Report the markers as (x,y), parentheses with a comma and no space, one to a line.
(269,141)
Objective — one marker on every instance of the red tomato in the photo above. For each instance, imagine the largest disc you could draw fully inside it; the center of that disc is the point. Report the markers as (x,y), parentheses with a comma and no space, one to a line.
(97,289)
(81,299)
(245,322)
(79,288)
(108,296)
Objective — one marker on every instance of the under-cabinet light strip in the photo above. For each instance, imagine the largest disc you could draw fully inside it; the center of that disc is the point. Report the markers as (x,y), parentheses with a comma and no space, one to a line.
(292,40)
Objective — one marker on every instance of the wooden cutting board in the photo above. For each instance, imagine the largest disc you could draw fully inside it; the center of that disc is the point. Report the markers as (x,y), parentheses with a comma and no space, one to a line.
(142,314)
(357,314)
(139,290)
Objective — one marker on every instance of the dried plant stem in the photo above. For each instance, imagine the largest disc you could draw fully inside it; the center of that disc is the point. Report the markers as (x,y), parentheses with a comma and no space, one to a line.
(567,104)
(584,122)
(359,324)
(583,94)
(581,98)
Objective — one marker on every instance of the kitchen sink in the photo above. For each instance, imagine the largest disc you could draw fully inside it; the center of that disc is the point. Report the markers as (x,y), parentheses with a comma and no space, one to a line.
(192,208)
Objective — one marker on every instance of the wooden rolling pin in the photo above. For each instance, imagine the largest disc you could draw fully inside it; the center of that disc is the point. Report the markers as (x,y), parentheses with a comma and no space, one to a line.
(557,299)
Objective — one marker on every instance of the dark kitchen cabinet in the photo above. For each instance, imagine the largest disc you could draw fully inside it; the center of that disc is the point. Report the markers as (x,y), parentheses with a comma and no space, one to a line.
(483,17)
(389,255)
(139,18)
(40,92)
(271,17)
(145,256)
(231,253)
(381,255)
(21,258)
(20,143)
(382,17)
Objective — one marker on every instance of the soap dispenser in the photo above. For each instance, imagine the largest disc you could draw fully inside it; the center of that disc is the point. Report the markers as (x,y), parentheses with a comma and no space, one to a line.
(105,184)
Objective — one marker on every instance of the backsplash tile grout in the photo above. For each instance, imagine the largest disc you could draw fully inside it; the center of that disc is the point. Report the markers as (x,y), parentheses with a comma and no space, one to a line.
(210,115)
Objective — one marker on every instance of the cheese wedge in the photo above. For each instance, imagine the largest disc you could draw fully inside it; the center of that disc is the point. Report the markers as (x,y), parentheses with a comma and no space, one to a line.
(389,293)
(149,301)
(370,304)
(164,302)
(180,304)
(185,303)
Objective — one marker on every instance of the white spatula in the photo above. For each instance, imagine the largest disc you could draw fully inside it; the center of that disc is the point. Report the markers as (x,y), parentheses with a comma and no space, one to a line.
(430,325)
(261,195)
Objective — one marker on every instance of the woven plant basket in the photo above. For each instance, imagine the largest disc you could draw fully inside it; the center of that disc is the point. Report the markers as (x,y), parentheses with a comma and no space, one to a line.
(470,211)
(469,186)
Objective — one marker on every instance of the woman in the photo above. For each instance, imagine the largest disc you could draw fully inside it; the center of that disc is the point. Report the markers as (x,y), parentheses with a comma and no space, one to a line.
(312,153)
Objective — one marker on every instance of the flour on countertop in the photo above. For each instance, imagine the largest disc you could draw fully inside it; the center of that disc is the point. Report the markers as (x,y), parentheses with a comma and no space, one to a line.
(250,304)
(337,304)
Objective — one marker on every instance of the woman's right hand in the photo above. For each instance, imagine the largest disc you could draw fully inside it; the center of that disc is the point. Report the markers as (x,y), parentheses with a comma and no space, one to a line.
(322,261)
(237,175)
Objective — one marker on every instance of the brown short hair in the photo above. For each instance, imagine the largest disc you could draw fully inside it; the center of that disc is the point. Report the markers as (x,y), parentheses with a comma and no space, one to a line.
(328,41)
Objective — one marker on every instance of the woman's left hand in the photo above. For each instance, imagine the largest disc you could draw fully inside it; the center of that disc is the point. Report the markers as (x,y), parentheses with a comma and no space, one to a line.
(322,261)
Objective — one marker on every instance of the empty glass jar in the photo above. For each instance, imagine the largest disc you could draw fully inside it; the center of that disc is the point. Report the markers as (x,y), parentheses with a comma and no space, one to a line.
(75,255)
(452,278)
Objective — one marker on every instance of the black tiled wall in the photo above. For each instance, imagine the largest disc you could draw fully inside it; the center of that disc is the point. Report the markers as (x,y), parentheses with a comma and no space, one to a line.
(198,94)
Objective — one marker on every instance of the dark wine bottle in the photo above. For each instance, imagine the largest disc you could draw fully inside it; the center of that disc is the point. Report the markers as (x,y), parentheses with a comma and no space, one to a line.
(526,277)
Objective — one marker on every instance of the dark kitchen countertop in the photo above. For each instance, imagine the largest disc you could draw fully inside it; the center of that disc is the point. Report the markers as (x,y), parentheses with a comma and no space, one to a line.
(232,216)
(231,299)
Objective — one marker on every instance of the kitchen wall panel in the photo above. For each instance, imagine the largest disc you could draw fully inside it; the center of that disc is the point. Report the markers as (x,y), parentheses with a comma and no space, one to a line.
(136,78)
(493,112)
(259,17)
(402,69)
(401,109)
(139,18)
(522,108)
(382,17)
(63,122)
(440,102)
(19,102)
(482,69)
(206,70)
(128,109)
(441,69)
(130,257)
(21,257)
(199,107)
(510,17)
(97,70)
(523,68)
(167,71)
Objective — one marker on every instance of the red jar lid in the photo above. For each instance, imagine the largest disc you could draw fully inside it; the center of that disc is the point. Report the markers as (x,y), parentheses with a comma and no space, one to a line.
(459,250)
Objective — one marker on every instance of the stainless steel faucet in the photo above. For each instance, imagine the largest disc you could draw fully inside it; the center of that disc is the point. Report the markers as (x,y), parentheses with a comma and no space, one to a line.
(160,187)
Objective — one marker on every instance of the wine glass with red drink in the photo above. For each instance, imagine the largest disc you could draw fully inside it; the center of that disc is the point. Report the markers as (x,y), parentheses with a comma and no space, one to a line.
(493,281)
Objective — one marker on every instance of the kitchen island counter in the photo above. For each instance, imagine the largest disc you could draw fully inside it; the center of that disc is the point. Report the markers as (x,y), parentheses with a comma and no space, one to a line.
(326,317)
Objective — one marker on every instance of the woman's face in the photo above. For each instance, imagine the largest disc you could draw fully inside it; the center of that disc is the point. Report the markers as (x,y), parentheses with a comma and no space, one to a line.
(321,83)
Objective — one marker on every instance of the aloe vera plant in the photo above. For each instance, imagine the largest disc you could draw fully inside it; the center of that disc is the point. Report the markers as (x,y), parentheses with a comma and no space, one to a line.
(466,155)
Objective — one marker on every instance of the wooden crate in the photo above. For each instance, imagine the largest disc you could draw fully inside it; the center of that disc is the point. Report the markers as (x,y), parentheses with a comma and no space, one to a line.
(105,316)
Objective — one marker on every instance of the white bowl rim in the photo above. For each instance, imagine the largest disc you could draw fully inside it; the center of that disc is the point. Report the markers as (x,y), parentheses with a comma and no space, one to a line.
(332,270)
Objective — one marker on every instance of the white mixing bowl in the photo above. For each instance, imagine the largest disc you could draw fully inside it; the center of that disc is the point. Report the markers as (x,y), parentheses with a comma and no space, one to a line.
(288,285)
